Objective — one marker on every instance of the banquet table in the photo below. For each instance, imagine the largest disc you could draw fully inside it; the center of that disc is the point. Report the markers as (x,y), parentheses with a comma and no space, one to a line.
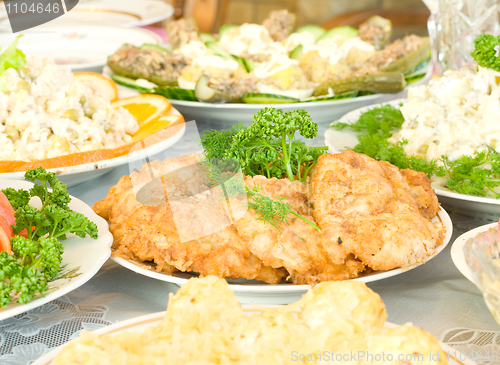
(434,296)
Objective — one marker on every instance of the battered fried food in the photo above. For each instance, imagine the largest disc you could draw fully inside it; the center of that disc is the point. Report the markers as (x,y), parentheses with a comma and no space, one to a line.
(364,208)
(298,247)
(175,220)
(371,215)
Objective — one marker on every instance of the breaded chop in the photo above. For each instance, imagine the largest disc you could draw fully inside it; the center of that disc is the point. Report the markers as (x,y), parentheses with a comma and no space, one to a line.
(365,208)
(175,220)
(422,192)
(298,247)
(371,215)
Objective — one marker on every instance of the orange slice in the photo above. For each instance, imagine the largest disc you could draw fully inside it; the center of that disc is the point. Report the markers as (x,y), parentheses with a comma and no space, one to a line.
(104,83)
(145,107)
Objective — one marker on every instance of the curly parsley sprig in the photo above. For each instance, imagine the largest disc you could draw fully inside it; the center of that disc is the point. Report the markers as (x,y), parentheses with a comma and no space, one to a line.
(36,259)
(268,146)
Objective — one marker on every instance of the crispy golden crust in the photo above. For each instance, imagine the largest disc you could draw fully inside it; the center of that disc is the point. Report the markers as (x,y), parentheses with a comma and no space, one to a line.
(364,208)
(422,192)
(178,223)
(371,215)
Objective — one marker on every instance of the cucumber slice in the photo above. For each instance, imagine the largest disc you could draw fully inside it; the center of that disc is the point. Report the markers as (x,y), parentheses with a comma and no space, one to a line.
(206,37)
(175,93)
(225,28)
(218,51)
(131,83)
(344,30)
(297,53)
(418,68)
(260,98)
(248,65)
(206,94)
(347,95)
(155,47)
(315,30)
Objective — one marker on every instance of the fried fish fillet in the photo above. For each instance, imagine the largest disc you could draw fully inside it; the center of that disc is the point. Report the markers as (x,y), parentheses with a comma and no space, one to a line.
(297,245)
(167,213)
(371,215)
(365,208)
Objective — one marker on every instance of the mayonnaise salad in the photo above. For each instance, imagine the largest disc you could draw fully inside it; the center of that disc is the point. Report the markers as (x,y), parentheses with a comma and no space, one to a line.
(251,41)
(44,113)
(456,114)
(338,48)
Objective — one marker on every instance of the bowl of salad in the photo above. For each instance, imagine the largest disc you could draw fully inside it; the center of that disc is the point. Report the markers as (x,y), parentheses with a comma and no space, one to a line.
(447,129)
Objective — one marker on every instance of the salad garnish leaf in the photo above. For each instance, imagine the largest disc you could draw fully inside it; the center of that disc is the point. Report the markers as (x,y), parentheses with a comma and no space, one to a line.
(11,58)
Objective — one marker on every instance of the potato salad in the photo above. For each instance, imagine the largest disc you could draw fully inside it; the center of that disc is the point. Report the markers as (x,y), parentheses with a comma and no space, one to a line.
(456,114)
(45,113)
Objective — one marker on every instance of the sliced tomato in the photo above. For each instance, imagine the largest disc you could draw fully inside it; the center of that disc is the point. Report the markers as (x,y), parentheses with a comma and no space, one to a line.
(6,209)
(5,236)
(24,233)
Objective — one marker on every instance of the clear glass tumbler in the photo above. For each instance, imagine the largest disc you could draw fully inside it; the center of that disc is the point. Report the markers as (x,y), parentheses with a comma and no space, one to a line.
(460,22)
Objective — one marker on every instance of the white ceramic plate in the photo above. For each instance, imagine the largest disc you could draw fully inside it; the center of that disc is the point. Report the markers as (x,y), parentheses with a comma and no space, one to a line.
(229,114)
(475,206)
(140,324)
(457,249)
(128,13)
(82,257)
(257,292)
(73,175)
(78,47)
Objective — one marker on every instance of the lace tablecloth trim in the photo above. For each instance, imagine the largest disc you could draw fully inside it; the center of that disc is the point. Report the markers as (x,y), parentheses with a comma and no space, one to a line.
(473,342)
(26,337)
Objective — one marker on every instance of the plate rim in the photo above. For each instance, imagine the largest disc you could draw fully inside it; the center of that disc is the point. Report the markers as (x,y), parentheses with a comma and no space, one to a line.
(105,240)
(442,191)
(56,28)
(231,107)
(457,252)
(265,289)
(164,9)
(109,163)
(149,319)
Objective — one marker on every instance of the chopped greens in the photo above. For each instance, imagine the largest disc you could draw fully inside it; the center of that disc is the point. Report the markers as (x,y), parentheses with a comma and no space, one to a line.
(37,254)
(472,175)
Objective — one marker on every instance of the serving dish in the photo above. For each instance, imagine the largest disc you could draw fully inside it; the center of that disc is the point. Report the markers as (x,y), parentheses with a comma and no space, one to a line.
(475,206)
(144,322)
(457,249)
(229,114)
(82,257)
(128,13)
(78,47)
(257,292)
(73,175)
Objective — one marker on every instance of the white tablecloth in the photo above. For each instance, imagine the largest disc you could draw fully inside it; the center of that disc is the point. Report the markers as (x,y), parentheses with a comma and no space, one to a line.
(434,296)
